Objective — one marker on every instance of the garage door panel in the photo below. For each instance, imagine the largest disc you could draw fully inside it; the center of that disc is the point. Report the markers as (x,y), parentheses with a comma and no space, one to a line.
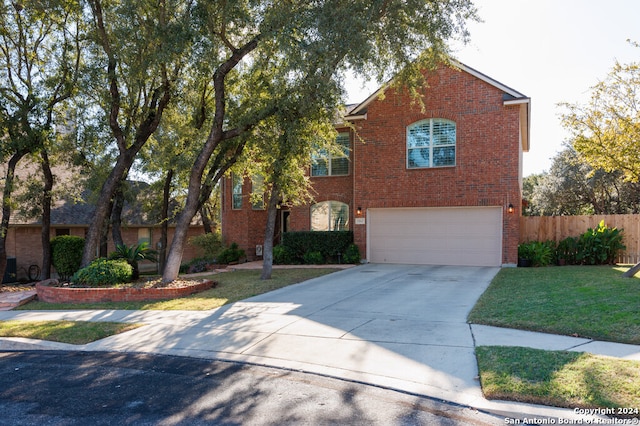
(446,236)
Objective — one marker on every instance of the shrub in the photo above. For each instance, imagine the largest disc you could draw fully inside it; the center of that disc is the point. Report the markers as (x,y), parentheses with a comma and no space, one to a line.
(599,246)
(537,252)
(567,250)
(102,272)
(197,265)
(231,254)
(66,255)
(134,254)
(328,243)
(210,244)
(351,254)
(313,258)
(283,255)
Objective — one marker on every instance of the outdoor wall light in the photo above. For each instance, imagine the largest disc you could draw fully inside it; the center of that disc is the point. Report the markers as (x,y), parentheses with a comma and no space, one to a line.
(359,211)
(510,209)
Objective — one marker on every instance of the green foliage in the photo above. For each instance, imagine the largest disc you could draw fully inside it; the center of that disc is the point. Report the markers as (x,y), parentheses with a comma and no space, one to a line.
(196,265)
(231,254)
(210,244)
(66,255)
(567,251)
(351,254)
(329,244)
(104,272)
(134,254)
(313,258)
(537,252)
(573,187)
(283,255)
(599,246)
(605,130)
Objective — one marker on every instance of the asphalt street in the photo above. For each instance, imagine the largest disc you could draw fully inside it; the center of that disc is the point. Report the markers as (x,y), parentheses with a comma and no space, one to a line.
(100,388)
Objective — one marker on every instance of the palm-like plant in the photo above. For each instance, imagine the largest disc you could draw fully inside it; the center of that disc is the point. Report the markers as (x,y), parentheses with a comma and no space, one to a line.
(134,254)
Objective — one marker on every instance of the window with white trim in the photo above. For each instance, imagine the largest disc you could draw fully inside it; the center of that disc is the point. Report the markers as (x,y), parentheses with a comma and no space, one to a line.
(330,216)
(325,163)
(236,184)
(431,143)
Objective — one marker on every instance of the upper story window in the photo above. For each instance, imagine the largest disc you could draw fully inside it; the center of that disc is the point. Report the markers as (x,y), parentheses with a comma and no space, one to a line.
(325,163)
(330,216)
(431,143)
(236,184)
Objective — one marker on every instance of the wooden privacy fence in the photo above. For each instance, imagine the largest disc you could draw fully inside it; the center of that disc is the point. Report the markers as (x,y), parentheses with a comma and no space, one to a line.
(557,228)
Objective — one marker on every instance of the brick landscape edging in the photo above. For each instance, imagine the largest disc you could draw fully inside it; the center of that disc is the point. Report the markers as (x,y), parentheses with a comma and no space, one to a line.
(48,292)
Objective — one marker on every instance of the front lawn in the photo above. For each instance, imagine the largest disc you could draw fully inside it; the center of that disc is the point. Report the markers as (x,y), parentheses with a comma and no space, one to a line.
(559,378)
(74,332)
(587,301)
(232,286)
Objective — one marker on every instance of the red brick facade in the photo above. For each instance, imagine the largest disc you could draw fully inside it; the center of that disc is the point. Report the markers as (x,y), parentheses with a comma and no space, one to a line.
(491,134)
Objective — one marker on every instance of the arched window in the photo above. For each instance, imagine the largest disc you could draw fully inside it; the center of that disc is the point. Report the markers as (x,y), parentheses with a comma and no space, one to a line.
(330,216)
(431,143)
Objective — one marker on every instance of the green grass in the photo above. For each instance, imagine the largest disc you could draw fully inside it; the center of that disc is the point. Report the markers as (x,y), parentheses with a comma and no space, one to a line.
(74,332)
(232,286)
(587,301)
(558,378)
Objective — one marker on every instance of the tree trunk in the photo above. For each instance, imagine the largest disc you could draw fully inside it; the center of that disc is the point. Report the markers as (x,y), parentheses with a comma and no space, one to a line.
(174,257)
(46,216)
(632,271)
(103,206)
(216,135)
(162,253)
(103,250)
(116,216)
(206,222)
(6,208)
(270,229)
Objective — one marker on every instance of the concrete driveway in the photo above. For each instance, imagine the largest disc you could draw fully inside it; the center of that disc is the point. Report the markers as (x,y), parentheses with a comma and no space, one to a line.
(391,325)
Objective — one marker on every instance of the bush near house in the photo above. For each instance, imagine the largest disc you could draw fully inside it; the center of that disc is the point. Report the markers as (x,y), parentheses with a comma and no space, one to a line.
(599,246)
(210,244)
(313,247)
(66,255)
(283,255)
(133,255)
(104,272)
(231,254)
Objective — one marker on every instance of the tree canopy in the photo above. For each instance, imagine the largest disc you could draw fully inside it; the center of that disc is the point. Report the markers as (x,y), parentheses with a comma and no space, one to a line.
(203,80)
(573,187)
(606,131)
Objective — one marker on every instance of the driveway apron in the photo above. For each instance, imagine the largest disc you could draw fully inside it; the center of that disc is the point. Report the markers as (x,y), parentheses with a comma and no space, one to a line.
(399,326)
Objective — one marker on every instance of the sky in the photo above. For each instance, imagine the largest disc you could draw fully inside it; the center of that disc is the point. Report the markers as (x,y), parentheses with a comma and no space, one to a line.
(552,51)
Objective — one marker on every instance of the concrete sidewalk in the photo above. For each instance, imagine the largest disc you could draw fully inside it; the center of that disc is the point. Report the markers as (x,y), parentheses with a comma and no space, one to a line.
(400,327)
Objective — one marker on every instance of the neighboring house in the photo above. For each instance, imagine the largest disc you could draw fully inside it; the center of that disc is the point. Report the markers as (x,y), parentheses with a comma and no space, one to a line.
(437,185)
(69,217)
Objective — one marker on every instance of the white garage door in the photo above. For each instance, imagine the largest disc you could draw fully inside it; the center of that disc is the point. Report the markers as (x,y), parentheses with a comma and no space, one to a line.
(436,236)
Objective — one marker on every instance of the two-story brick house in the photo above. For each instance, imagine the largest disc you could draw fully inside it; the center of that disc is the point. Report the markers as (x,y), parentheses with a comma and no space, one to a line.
(438,184)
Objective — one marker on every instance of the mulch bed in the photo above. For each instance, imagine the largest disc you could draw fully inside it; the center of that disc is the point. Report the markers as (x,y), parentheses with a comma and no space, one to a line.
(141,283)
(13,287)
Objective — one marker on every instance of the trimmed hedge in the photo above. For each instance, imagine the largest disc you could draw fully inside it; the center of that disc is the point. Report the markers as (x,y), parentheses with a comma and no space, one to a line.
(314,246)
(66,255)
